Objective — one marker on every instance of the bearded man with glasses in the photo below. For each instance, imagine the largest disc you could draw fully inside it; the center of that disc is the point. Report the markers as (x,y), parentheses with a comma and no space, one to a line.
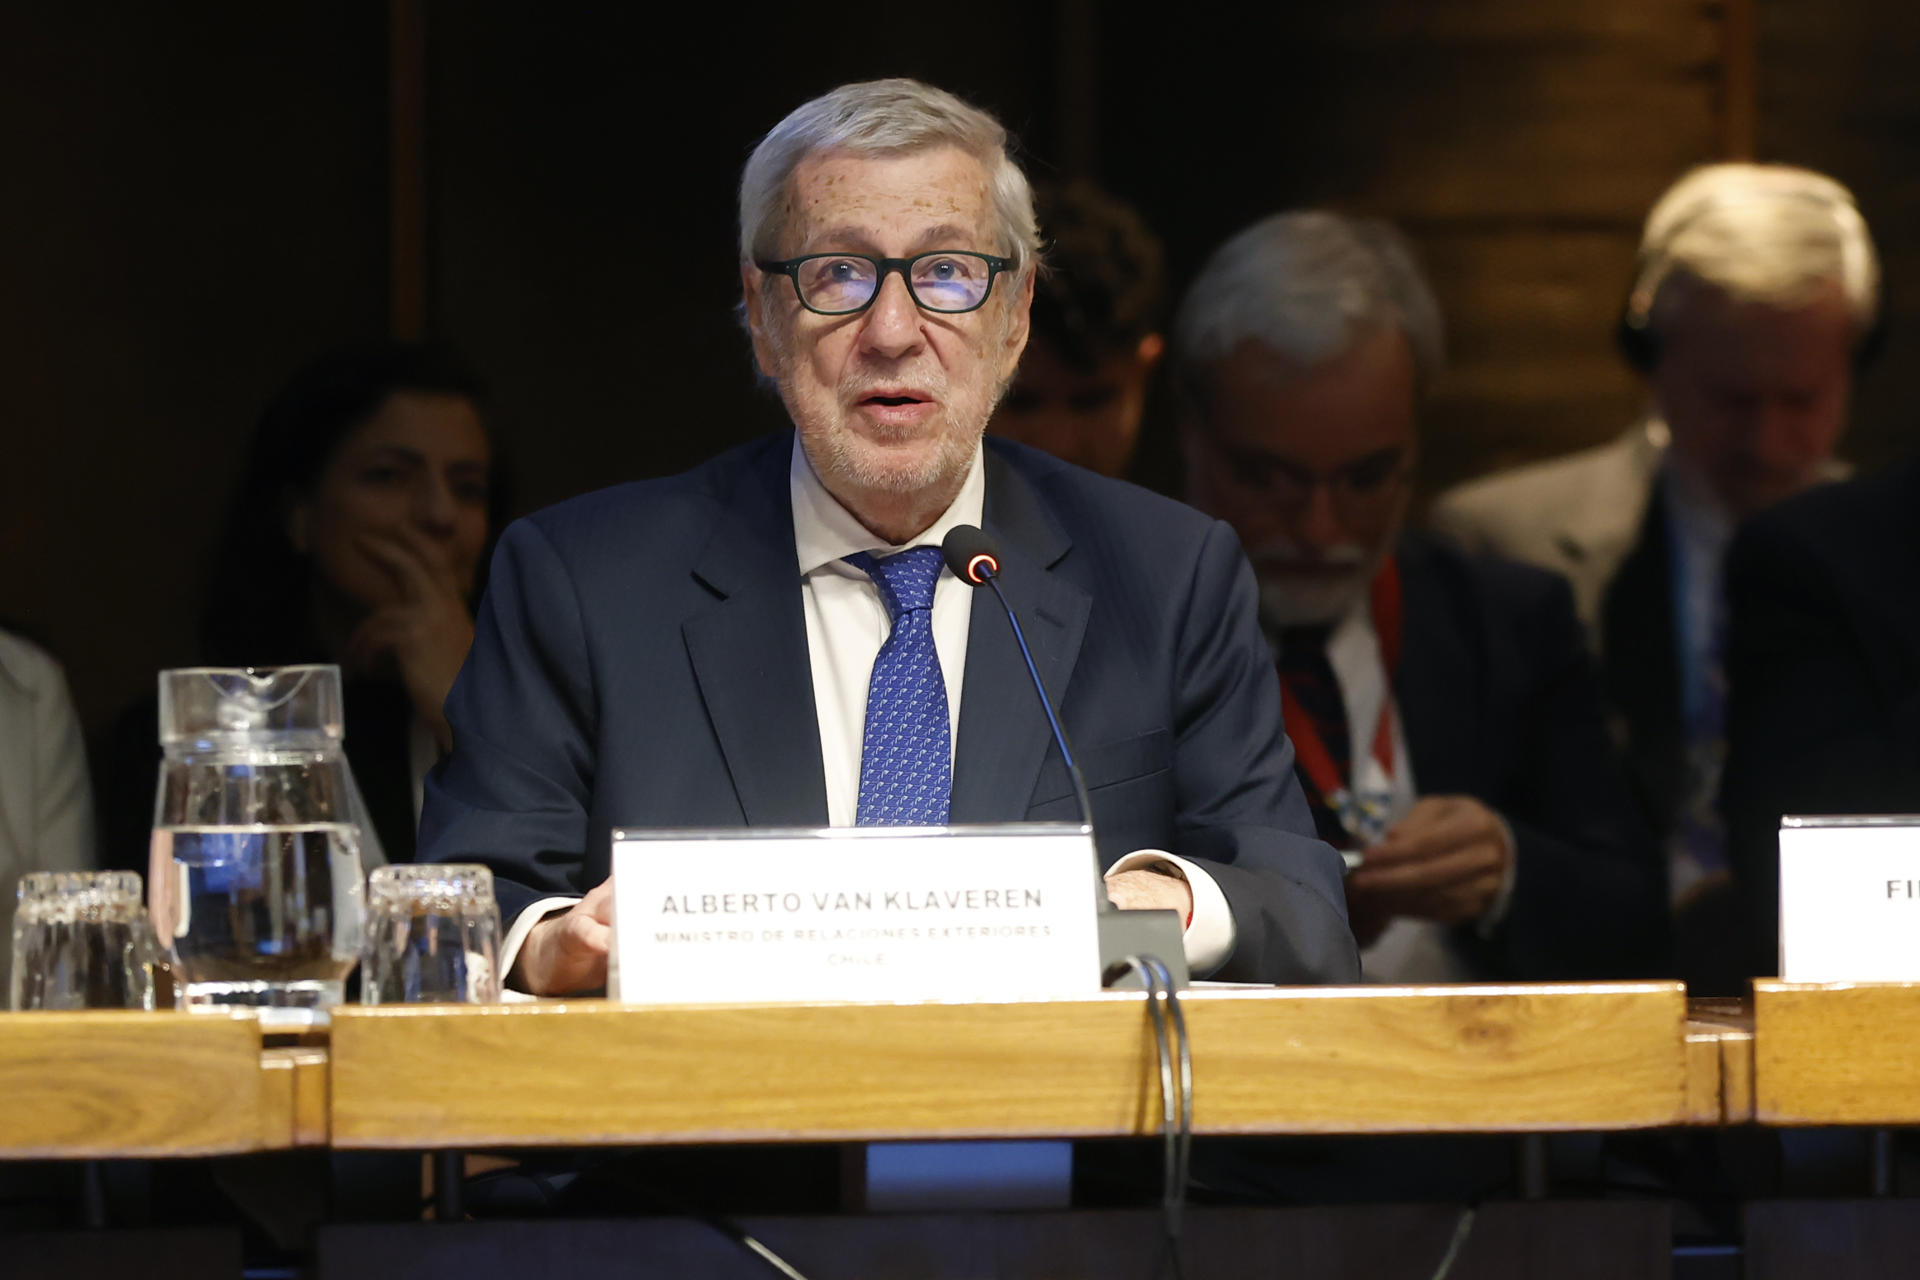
(699,651)
(1446,716)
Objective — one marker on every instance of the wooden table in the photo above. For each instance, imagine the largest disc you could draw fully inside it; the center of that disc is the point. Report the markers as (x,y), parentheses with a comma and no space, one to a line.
(1513,1059)
(1836,1053)
(114,1084)
(1719,1062)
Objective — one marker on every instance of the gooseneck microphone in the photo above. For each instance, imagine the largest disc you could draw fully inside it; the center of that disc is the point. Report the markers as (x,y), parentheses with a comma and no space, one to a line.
(975,560)
(1130,941)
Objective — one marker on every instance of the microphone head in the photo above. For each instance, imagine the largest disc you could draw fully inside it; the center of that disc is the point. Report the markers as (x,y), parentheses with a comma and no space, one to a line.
(971,554)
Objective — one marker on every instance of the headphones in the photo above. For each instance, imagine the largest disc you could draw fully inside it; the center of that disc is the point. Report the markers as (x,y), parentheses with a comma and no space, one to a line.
(1859,275)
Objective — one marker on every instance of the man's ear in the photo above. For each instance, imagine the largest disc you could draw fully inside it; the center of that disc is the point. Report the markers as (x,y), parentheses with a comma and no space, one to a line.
(1147,355)
(752,299)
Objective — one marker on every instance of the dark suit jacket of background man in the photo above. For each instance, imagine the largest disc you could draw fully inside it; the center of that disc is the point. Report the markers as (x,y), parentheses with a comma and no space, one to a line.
(640,659)
(1594,518)
(1499,700)
(1823,713)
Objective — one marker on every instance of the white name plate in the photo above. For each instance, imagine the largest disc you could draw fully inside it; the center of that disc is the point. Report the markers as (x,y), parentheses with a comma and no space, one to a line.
(1850,899)
(868,913)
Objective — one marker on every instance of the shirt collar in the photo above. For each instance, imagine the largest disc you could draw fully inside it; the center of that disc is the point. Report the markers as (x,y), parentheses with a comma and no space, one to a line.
(825,532)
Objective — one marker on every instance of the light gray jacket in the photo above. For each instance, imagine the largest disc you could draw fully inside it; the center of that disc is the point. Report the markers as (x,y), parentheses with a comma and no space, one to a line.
(46,802)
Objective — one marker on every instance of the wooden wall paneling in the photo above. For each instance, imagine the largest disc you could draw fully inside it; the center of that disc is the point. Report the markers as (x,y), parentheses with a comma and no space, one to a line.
(195,204)
(1838,93)
(407,181)
(1519,144)
(1077,86)
(1740,79)
(582,233)
(1529,311)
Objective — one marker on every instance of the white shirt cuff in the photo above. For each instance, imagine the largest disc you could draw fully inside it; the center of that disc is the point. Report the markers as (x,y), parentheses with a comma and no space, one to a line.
(1210,933)
(517,937)
(1496,911)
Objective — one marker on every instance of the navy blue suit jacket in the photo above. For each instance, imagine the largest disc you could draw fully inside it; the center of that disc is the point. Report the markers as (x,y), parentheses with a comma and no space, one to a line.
(1823,660)
(640,659)
(1500,701)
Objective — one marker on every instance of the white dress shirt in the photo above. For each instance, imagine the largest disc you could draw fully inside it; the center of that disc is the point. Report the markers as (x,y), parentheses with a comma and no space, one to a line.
(847,620)
(1407,950)
(847,623)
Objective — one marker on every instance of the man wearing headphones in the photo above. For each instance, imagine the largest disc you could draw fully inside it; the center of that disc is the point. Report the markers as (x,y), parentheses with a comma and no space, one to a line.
(1755,296)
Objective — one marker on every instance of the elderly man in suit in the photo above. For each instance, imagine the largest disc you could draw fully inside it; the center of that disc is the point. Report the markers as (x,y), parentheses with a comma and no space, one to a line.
(1443,706)
(771,639)
(1755,295)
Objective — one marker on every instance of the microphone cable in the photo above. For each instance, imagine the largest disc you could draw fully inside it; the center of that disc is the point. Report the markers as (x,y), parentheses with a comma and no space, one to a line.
(1174,1050)
(1046,704)
(971,556)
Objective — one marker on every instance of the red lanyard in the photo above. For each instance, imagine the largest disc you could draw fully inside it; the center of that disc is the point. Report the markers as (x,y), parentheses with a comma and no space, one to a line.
(1308,744)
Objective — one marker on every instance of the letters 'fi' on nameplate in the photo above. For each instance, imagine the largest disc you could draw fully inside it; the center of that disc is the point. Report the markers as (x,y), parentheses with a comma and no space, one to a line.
(854,913)
(1850,899)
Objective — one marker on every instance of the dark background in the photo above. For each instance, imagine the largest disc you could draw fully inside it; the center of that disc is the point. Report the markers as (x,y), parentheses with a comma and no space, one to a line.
(196,198)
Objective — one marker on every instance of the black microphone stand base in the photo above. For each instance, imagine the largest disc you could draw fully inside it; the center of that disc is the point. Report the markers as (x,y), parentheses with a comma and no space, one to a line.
(1160,934)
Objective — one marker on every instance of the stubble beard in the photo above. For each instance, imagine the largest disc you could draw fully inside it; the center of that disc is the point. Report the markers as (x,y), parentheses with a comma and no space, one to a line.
(854,459)
(869,458)
(1292,600)
(880,460)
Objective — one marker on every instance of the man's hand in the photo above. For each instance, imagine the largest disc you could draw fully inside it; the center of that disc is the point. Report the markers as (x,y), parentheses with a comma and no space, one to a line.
(427,631)
(1149,890)
(568,952)
(1444,861)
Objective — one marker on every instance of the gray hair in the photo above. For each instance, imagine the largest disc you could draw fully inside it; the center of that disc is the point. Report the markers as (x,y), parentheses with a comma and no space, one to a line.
(884,118)
(1767,233)
(1306,284)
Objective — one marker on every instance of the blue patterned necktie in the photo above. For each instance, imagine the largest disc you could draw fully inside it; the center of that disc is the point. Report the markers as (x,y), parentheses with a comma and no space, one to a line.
(905,779)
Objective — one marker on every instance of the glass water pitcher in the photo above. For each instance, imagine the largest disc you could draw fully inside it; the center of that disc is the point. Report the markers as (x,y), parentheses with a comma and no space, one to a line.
(256,880)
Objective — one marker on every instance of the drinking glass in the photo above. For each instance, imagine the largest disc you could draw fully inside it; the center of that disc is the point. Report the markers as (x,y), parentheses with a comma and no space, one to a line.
(433,934)
(81,940)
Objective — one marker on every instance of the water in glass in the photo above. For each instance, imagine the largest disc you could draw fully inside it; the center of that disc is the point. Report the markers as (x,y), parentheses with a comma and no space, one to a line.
(255,876)
(258,911)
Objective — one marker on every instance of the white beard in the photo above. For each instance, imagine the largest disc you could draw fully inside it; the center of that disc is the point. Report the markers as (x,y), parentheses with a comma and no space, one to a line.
(1291,603)
(1293,600)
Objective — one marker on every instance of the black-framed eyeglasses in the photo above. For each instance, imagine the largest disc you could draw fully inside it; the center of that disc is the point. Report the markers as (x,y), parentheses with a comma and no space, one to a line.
(839,284)
(1288,487)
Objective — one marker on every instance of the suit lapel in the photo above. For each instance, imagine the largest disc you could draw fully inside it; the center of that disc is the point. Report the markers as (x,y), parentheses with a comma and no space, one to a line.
(1641,669)
(1436,686)
(1004,738)
(1598,528)
(749,653)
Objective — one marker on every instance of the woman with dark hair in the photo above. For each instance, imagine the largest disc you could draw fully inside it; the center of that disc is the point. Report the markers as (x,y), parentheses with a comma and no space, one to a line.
(358,536)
